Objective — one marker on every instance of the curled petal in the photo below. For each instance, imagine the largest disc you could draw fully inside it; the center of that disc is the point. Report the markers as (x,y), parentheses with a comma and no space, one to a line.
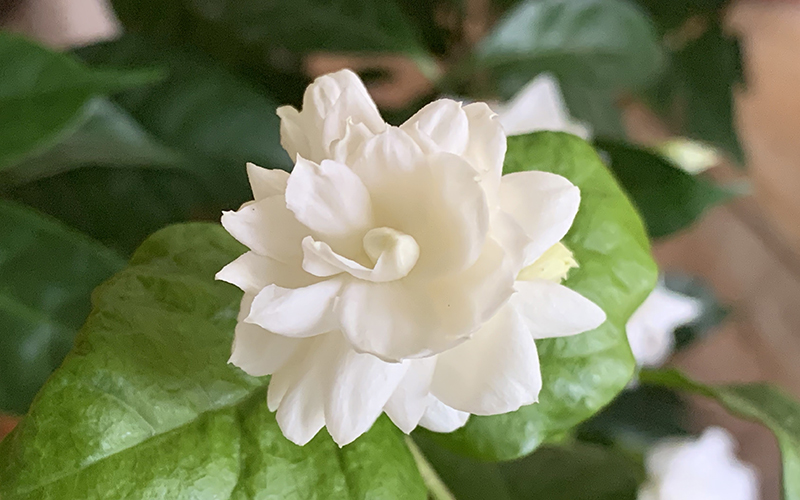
(298,312)
(257,351)
(543,204)
(266,182)
(442,123)
(439,417)
(328,198)
(252,272)
(268,228)
(296,138)
(496,371)
(412,397)
(486,149)
(553,310)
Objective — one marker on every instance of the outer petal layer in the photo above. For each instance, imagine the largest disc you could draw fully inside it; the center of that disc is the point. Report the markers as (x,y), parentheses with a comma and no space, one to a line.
(553,310)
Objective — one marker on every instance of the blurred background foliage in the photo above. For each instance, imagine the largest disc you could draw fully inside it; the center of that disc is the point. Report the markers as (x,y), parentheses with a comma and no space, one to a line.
(101,146)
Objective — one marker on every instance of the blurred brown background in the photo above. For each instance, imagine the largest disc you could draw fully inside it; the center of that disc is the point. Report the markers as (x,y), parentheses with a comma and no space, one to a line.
(748,251)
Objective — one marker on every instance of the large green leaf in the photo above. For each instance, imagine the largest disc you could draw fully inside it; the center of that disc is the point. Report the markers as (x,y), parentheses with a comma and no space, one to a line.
(46,274)
(107,136)
(146,405)
(42,94)
(668,198)
(582,373)
(572,472)
(759,402)
(600,44)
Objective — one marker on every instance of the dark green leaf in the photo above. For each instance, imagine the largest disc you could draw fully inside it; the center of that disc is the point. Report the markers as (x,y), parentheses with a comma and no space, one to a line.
(600,44)
(42,94)
(573,472)
(107,136)
(46,274)
(696,94)
(582,373)
(119,206)
(668,198)
(146,405)
(759,402)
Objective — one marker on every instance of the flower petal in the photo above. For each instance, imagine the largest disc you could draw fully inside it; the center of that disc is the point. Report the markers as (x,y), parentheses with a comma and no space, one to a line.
(257,351)
(439,417)
(252,272)
(268,228)
(553,310)
(496,371)
(360,385)
(266,182)
(543,204)
(390,320)
(296,137)
(486,149)
(444,122)
(328,198)
(511,237)
(411,398)
(298,312)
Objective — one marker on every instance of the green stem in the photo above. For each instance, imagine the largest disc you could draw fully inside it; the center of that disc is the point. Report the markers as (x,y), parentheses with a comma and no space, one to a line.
(437,490)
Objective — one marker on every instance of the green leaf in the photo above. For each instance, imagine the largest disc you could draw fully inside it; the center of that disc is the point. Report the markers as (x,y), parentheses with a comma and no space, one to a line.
(146,405)
(573,472)
(119,207)
(668,198)
(712,314)
(582,373)
(601,44)
(107,136)
(46,274)
(251,32)
(759,402)
(696,94)
(42,95)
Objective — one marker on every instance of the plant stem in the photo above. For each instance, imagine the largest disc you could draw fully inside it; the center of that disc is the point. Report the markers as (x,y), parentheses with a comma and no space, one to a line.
(437,490)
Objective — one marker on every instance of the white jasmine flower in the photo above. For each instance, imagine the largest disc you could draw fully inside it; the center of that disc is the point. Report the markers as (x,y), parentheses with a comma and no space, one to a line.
(539,106)
(382,272)
(651,328)
(701,469)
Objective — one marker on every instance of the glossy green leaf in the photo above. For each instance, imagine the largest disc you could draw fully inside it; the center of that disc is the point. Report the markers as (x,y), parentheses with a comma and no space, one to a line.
(146,406)
(668,198)
(601,44)
(46,274)
(577,471)
(582,373)
(759,402)
(43,93)
(107,136)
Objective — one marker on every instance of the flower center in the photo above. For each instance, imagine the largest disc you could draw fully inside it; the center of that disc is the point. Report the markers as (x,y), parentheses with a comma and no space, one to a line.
(391,250)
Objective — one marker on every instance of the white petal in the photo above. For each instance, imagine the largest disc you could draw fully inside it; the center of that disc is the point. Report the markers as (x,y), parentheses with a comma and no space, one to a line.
(553,310)
(543,204)
(385,156)
(539,106)
(394,262)
(444,122)
(487,147)
(496,371)
(347,148)
(390,320)
(328,198)
(511,237)
(439,417)
(327,92)
(266,182)
(298,312)
(252,272)
(360,386)
(411,398)
(296,137)
(257,351)
(268,228)
(298,390)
